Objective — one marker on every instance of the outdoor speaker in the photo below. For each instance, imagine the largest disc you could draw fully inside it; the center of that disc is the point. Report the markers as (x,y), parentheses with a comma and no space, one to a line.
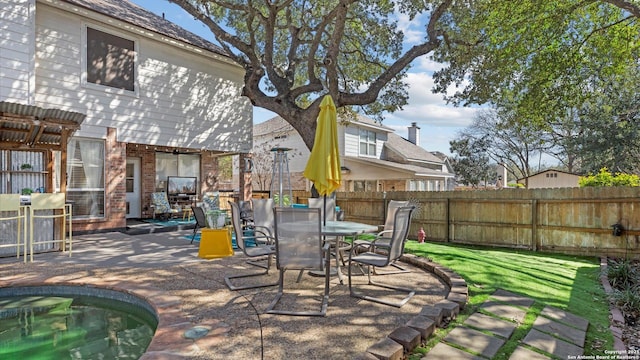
(618,229)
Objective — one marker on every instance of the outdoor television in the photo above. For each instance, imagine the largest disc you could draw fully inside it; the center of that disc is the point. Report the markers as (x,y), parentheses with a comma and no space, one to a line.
(181,185)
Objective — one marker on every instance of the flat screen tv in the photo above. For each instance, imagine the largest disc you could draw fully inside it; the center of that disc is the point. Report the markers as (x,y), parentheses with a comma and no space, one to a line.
(181,185)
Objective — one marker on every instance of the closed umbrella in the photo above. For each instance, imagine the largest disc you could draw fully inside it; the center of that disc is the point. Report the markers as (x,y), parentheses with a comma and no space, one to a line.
(323,166)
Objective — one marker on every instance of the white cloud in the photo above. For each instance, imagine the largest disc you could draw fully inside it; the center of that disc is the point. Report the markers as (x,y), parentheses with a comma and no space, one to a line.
(411,28)
(429,108)
(425,64)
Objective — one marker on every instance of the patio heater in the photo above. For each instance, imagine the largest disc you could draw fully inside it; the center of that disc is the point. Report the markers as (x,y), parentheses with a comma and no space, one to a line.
(281,191)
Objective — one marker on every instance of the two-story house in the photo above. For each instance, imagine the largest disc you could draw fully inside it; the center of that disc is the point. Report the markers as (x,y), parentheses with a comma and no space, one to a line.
(106,101)
(373,158)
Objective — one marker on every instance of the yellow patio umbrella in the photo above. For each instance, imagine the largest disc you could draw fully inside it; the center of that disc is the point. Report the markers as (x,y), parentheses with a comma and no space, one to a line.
(323,166)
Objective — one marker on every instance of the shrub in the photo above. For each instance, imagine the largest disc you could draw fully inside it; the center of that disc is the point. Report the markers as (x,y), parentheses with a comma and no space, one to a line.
(625,279)
(622,274)
(605,178)
(628,299)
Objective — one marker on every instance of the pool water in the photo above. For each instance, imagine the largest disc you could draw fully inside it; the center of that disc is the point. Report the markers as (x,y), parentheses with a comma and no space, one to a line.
(72,327)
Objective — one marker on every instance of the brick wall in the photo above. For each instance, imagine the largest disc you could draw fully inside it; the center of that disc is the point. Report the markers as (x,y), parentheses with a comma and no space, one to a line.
(115,191)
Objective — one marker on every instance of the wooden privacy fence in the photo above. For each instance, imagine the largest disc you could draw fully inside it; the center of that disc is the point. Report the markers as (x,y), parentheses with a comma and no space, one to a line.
(576,221)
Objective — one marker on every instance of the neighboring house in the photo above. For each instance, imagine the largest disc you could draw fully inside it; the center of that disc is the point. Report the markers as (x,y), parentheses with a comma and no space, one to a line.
(119,97)
(550,179)
(373,158)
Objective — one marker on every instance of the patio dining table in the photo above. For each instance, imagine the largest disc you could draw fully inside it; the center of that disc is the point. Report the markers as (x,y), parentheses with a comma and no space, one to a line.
(336,230)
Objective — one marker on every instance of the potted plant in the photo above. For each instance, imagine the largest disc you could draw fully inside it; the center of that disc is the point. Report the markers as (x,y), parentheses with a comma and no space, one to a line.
(27,191)
(25,166)
(285,199)
(216,219)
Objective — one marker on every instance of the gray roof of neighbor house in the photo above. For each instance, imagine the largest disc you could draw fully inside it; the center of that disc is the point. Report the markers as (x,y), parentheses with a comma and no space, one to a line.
(440,155)
(415,170)
(409,150)
(135,15)
(361,119)
(271,126)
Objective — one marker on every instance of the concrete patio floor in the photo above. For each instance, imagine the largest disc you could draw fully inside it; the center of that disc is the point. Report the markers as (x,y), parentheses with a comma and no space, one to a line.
(189,293)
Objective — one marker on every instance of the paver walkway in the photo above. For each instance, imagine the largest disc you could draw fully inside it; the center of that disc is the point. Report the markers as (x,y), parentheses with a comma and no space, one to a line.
(554,334)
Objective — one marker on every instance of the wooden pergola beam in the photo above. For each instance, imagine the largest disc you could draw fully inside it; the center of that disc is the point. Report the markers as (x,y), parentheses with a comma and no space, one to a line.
(32,128)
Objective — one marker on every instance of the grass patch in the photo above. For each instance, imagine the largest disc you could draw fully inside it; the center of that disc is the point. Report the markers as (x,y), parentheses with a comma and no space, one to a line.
(569,283)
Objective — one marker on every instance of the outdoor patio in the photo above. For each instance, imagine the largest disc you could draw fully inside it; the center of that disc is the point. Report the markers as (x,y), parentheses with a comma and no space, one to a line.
(189,292)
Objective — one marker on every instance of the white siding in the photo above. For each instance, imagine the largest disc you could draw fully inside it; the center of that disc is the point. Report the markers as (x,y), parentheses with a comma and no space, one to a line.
(351,141)
(183,99)
(297,156)
(553,179)
(16,50)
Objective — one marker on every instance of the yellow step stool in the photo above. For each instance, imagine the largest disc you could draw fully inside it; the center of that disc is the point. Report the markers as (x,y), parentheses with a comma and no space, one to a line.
(215,243)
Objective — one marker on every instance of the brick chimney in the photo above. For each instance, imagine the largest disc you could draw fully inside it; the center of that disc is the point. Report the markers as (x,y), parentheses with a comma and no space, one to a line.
(414,134)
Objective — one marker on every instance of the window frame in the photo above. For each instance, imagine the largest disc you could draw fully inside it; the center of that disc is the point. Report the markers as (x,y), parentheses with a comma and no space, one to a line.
(367,142)
(83,62)
(180,168)
(103,189)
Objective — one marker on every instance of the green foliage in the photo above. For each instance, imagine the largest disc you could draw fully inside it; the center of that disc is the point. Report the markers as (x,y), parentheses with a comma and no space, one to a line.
(216,218)
(622,273)
(225,168)
(605,178)
(470,161)
(628,299)
(27,191)
(568,67)
(542,55)
(624,277)
(286,200)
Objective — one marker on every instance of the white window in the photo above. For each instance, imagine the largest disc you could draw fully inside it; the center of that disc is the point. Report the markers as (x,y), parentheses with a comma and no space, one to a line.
(85,169)
(367,142)
(169,164)
(364,185)
(109,60)
(417,185)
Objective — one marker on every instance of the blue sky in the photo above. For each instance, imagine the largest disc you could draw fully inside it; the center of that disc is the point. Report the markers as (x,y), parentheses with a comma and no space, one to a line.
(438,121)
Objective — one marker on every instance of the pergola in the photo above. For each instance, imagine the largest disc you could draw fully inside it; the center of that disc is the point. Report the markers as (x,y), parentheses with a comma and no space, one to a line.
(33,128)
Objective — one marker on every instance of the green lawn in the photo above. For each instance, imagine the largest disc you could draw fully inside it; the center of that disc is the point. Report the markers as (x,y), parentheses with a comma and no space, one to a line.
(570,283)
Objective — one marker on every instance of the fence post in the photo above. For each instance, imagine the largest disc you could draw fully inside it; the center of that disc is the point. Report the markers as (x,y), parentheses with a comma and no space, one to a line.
(534,224)
(447,239)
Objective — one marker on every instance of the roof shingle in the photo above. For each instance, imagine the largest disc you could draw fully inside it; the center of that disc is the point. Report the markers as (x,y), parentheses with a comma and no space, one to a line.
(138,16)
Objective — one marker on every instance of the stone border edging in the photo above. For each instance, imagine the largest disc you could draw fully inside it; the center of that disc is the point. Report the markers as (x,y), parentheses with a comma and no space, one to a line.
(418,329)
(616,314)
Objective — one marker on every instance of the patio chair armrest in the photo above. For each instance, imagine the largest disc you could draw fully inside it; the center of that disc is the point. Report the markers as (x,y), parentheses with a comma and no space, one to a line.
(377,243)
(263,229)
(261,238)
(360,246)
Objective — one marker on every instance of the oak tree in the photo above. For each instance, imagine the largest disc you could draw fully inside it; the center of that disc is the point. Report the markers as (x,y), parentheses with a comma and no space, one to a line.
(295,51)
